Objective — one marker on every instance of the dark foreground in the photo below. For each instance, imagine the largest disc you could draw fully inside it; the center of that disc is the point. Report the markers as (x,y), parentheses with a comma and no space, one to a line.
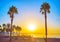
(27,39)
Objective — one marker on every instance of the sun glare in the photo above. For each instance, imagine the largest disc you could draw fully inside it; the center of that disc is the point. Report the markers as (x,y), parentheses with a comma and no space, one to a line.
(31,27)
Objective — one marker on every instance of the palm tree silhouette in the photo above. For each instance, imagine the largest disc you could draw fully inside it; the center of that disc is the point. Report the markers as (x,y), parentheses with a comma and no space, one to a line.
(11,12)
(0,28)
(4,27)
(18,29)
(8,28)
(45,8)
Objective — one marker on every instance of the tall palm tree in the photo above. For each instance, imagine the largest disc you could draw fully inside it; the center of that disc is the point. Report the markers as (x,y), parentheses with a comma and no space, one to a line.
(11,12)
(45,8)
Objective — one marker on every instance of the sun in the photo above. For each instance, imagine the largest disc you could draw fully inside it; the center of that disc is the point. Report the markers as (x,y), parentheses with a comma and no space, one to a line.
(31,27)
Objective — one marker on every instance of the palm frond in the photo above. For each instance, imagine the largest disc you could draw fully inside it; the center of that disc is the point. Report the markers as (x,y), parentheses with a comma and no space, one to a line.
(12,10)
(45,6)
(48,11)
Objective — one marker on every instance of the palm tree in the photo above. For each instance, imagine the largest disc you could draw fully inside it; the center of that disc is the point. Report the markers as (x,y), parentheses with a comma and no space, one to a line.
(8,27)
(0,25)
(14,26)
(45,8)
(11,12)
(18,29)
(4,27)
(0,28)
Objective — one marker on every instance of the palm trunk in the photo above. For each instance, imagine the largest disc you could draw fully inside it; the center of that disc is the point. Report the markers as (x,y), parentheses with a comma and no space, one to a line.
(45,26)
(11,30)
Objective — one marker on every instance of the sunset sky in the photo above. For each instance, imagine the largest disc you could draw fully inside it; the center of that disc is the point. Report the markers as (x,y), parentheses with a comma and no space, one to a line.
(29,13)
